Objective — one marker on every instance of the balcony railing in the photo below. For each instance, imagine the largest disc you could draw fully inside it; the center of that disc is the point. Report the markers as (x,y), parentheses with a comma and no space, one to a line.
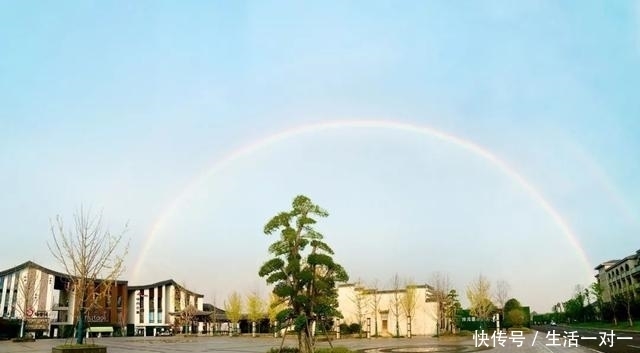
(60,306)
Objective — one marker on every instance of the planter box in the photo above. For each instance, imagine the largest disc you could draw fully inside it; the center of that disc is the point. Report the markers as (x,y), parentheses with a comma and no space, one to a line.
(79,349)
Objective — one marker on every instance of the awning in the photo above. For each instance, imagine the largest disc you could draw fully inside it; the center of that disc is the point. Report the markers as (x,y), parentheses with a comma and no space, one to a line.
(100,329)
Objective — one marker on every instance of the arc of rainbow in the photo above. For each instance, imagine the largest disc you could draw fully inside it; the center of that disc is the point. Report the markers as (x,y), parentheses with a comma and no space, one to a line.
(467,145)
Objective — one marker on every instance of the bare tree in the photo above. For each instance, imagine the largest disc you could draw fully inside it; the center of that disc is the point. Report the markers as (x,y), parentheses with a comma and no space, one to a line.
(28,293)
(214,317)
(374,303)
(479,295)
(93,259)
(394,302)
(187,316)
(255,310)
(408,302)
(438,293)
(233,307)
(359,299)
(501,294)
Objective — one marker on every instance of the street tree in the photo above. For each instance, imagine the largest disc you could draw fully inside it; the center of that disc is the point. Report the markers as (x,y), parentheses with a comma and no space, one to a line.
(233,308)
(501,294)
(440,287)
(626,298)
(374,303)
(511,309)
(360,304)
(255,310)
(596,293)
(187,315)
(93,259)
(395,302)
(276,305)
(408,302)
(479,295)
(302,269)
(214,317)
(29,293)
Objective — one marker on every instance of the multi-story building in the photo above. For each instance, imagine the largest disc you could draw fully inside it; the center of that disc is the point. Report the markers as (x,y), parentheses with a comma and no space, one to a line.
(618,277)
(154,308)
(47,303)
(356,303)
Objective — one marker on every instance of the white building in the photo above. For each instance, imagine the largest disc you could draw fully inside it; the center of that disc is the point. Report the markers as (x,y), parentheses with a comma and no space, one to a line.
(617,277)
(423,319)
(153,308)
(46,301)
(27,292)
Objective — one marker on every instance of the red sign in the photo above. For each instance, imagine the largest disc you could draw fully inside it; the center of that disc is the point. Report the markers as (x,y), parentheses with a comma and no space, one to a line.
(29,312)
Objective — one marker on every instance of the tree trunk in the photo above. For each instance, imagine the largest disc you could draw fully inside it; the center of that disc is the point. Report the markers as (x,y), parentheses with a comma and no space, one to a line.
(305,345)
(80,328)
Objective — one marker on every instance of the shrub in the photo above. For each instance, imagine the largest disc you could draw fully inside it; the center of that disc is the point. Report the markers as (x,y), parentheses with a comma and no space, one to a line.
(354,328)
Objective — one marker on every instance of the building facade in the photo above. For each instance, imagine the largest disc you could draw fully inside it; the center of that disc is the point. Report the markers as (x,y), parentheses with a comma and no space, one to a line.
(619,277)
(47,303)
(154,308)
(381,309)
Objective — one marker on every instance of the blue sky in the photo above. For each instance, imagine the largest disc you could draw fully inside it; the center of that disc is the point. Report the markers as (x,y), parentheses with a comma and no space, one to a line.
(120,106)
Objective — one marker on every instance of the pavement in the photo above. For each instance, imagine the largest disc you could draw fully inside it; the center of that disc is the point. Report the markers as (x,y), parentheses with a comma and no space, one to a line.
(245,344)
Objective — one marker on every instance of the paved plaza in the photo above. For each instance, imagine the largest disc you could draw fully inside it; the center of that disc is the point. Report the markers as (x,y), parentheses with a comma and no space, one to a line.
(263,344)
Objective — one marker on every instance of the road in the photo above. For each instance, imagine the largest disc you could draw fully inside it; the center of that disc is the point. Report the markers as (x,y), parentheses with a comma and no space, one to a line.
(623,342)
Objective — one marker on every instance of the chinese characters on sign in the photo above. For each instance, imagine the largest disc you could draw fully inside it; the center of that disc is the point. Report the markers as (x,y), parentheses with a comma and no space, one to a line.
(553,338)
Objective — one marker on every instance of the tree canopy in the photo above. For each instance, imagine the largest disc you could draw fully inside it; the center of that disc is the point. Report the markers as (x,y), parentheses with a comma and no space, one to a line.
(302,269)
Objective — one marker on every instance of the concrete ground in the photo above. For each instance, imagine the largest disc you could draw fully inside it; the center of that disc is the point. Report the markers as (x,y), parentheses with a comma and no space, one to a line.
(263,344)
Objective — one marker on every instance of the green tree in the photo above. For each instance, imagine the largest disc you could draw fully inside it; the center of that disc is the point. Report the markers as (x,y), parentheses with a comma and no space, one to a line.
(302,269)
(596,292)
(515,317)
(451,308)
(511,304)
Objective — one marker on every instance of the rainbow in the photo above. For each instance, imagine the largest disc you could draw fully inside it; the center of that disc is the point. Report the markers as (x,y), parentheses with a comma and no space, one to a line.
(467,145)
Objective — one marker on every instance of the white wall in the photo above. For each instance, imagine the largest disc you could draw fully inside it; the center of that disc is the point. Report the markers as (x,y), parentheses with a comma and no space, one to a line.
(423,321)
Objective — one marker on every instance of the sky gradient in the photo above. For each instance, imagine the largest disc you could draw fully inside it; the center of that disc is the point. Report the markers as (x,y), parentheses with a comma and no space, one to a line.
(125,107)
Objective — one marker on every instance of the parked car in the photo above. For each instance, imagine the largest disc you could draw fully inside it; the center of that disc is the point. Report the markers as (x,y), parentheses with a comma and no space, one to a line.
(166,333)
(553,323)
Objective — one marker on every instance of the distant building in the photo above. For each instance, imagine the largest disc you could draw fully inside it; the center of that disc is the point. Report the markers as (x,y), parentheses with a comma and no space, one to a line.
(619,276)
(46,301)
(423,320)
(154,308)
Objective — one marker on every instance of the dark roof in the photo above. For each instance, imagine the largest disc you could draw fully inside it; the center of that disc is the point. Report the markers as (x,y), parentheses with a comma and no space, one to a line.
(383,291)
(31,264)
(163,283)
